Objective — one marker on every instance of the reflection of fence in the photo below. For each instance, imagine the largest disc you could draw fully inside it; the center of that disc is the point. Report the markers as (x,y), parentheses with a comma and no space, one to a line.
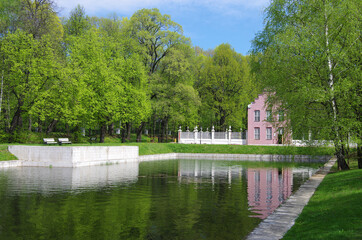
(200,137)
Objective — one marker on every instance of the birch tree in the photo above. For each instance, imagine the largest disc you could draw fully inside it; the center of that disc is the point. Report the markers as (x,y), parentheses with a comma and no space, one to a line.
(309,54)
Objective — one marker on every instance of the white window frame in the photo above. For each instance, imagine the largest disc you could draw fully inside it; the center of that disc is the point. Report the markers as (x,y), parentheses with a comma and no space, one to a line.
(257,133)
(257,116)
(269,133)
(281,131)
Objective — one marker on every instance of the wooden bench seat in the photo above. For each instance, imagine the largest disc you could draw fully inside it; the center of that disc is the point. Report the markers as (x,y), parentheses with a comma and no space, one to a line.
(64,141)
(49,141)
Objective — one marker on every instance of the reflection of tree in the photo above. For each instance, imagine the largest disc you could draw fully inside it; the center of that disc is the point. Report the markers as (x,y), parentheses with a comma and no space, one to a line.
(157,206)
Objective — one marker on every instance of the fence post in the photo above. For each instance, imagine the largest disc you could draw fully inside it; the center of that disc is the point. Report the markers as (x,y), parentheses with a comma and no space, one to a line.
(195,135)
(200,135)
(212,134)
(179,134)
(229,134)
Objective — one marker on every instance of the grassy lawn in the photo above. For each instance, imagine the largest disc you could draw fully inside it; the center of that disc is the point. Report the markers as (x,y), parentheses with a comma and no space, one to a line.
(5,155)
(334,211)
(159,148)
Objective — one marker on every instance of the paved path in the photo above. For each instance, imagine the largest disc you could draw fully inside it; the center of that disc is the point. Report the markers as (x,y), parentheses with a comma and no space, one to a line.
(283,218)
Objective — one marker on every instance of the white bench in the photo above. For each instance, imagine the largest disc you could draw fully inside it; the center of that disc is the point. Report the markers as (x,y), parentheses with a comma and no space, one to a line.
(64,141)
(49,141)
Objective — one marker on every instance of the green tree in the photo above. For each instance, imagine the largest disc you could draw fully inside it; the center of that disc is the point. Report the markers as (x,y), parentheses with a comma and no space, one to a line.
(309,55)
(174,98)
(77,23)
(110,86)
(29,67)
(156,36)
(226,87)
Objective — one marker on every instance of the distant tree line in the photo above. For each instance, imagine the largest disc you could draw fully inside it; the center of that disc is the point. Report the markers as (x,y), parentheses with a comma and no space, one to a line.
(98,74)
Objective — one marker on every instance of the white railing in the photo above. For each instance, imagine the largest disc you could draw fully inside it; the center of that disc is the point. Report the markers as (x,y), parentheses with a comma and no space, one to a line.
(200,137)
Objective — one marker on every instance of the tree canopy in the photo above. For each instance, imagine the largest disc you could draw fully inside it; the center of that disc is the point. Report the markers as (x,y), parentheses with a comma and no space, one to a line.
(309,55)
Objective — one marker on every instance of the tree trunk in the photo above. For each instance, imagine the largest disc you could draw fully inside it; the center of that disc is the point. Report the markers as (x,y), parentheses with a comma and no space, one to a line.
(123,134)
(128,127)
(1,92)
(111,129)
(342,165)
(67,129)
(30,124)
(139,131)
(16,122)
(103,133)
(359,156)
(164,126)
(51,126)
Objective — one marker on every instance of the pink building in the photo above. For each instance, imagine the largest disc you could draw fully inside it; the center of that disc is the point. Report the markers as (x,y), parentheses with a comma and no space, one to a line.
(265,126)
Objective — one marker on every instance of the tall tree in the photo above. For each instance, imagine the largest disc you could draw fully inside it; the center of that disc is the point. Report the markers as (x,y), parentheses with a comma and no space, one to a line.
(29,66)
(226,87)
(174,98)
(156,35)
(309,54)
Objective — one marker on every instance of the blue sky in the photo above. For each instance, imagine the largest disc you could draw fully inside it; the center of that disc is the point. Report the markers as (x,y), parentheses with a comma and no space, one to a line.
(208,23)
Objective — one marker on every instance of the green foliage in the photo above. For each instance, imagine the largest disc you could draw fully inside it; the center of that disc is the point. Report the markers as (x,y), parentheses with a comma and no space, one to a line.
(173,97)
(308,55)
(77,23)
(29,68)
(226,87)
(156,34)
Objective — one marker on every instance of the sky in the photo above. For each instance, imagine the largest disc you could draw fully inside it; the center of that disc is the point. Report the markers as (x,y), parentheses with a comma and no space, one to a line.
(208,23)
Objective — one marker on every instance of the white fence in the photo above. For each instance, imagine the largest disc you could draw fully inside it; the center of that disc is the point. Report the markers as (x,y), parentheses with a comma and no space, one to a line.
(200,137)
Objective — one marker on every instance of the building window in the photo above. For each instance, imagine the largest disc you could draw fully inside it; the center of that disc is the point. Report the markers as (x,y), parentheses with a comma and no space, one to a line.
(268,115)
(268,133)
(257,133)
(281,116)
(257,115)
(281,131)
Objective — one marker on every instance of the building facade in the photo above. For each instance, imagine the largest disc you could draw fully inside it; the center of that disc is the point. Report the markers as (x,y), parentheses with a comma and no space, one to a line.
(265,126)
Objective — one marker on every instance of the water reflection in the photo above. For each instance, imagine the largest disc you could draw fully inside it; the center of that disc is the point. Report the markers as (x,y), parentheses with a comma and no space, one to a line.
(267,187)
(176,199)
(46,180)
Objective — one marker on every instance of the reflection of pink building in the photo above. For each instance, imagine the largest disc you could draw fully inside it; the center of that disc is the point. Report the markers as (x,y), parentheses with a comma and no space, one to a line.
(267,189)
(265,126)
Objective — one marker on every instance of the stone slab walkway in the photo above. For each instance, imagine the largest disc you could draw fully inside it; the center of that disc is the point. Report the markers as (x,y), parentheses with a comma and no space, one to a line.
(283,218)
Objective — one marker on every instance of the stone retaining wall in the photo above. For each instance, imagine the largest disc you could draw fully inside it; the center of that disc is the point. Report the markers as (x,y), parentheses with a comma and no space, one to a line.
(45,156)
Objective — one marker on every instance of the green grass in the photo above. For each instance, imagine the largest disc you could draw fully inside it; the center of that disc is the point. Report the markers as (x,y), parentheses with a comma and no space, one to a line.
(159,148)
(149,148)
(334,211)
(5,155)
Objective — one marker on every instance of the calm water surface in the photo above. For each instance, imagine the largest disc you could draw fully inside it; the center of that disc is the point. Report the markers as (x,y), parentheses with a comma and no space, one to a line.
(177,199)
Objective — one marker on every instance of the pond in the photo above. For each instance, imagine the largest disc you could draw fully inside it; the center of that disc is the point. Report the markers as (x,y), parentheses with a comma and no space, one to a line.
(175,199)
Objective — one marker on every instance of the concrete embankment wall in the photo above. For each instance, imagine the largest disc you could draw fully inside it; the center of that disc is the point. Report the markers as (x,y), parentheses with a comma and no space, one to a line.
(45,156)
(237,157)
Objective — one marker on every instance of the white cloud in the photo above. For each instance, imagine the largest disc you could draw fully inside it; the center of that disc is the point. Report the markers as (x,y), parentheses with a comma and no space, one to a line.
(128,7)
